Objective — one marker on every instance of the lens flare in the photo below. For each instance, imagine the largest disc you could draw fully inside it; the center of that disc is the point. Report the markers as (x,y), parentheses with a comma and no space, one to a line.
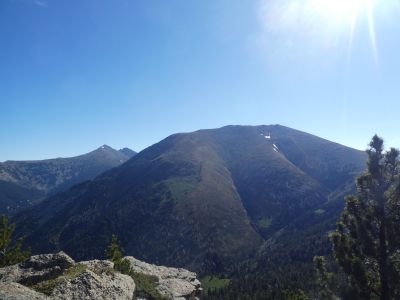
(345,14)
(325,22)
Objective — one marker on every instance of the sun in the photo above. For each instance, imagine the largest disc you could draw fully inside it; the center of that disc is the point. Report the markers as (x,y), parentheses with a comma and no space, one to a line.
(344,14)
(327,25)
(341,10)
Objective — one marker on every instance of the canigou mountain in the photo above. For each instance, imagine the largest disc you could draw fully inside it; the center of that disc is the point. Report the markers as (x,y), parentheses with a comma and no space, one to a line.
(201,200)
(258,212)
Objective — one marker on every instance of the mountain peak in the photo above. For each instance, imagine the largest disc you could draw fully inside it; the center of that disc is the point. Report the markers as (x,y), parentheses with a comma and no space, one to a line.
(23,180)
(128,152)
(105,147)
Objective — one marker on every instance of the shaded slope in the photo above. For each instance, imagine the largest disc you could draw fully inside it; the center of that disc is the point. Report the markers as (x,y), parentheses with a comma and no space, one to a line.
(331,164)
(14,197)
(272,189)
(336,167)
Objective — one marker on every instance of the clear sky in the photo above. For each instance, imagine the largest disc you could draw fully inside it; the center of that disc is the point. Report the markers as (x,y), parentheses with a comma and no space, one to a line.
(76,74)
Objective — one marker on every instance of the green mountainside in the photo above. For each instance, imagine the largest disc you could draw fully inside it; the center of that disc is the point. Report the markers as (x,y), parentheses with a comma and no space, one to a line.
(204,200)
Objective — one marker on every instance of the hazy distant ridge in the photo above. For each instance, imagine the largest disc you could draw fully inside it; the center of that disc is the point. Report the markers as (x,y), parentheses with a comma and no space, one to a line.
(25,182)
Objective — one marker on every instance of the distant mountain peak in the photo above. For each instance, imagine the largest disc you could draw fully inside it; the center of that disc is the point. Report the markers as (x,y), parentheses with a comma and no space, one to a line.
(128,152)
(125,151)
(23,180)
(106,147)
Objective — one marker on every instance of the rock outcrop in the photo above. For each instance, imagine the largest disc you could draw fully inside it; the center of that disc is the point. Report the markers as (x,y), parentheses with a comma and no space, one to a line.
(38,268)
(89,285)
(173,283)
(16,291)
(58,276)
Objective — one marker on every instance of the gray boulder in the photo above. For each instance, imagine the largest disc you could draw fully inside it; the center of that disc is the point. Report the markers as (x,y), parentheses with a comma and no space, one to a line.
(89,285)
(16,291)
(61,278)
(98,266)
(46,261)
(37,268)
(173,283)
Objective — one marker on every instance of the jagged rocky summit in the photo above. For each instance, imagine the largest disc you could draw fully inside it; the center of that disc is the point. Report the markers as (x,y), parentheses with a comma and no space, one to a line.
(58,276)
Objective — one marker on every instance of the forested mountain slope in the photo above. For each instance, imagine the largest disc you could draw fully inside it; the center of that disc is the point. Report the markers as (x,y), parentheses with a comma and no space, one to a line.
(203,200)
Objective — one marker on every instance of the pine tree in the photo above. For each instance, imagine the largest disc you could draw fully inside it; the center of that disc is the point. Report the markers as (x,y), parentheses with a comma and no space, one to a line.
(325,280)
(366,243)
(114,251)
(115,254)
(295,295)
(10,251)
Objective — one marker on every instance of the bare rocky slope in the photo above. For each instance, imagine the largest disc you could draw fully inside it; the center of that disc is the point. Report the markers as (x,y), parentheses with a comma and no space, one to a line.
(58,276)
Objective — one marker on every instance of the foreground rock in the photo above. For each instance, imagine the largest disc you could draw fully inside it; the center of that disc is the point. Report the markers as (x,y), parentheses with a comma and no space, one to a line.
(58,276)
(173,283)
(16,291)
(37,268)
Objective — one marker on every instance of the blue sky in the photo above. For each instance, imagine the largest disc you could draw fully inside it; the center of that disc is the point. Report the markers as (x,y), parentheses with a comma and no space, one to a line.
(76,74)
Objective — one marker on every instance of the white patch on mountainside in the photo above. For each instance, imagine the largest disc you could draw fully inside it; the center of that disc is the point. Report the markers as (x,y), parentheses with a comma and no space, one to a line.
(267,136)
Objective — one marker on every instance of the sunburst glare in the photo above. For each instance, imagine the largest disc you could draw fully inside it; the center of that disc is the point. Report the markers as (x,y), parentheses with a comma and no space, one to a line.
(346,13)
(326,21)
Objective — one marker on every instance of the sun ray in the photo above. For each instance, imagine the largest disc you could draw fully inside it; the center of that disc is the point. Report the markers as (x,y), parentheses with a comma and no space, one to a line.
(353,25)
(372,32)
(345,15)
(330,25)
